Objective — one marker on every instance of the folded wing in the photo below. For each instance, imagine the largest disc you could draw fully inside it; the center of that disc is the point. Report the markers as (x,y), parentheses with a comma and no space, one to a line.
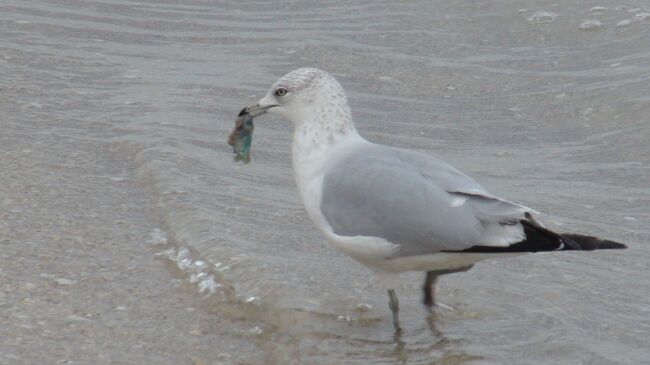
(415,201)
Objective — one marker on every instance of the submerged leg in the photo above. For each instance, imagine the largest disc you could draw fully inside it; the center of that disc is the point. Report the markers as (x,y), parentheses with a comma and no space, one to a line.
(393,303)
(429,288)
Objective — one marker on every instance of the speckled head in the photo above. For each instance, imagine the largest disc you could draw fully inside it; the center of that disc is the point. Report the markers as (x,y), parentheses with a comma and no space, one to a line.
(307,95)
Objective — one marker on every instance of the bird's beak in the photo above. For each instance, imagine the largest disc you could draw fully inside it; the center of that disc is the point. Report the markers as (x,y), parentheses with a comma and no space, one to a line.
(255,110)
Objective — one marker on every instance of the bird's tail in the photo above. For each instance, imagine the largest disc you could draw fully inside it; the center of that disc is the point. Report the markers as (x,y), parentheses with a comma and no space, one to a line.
(589,242)
(539,238)
(564,241)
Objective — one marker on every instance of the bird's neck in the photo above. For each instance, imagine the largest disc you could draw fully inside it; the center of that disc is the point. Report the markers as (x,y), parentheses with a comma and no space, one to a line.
(320,131)
(315,139)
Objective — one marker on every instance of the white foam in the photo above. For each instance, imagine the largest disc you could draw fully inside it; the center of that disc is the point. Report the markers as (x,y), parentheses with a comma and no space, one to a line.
(591,24)
(643,16)
(205,281)
(542,17)
(624,23)
(157,237)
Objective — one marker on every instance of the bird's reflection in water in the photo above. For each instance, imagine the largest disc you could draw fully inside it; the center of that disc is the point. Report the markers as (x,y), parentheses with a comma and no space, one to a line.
(401,354)
(438,349)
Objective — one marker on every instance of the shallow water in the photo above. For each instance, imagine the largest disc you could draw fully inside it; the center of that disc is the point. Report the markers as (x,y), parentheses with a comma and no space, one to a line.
(521,95)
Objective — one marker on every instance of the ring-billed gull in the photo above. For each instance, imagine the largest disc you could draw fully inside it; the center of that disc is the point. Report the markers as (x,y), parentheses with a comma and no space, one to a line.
(393,209)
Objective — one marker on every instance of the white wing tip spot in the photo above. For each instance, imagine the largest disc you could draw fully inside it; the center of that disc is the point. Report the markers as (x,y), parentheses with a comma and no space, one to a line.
(458,201)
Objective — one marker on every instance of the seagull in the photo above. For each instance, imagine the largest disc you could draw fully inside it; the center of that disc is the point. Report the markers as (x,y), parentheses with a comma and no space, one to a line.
(392,209)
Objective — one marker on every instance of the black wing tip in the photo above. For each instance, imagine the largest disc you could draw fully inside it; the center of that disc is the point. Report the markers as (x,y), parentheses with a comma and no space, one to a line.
(540,239)
(612,245)
(593,243)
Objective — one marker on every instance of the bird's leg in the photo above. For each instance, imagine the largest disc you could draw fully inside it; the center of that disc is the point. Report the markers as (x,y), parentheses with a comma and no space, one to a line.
(393,304)
(430,289)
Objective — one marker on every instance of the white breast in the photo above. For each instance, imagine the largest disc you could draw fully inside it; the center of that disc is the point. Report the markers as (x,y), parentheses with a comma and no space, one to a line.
(309,164)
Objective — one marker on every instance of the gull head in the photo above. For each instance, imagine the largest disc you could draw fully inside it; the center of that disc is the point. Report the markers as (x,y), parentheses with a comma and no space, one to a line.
(305,95)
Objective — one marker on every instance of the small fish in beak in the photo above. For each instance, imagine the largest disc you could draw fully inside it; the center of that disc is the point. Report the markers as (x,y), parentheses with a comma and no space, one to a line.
(241,137)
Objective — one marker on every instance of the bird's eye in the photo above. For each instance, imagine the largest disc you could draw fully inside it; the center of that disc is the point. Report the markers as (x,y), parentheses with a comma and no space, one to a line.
(281,92)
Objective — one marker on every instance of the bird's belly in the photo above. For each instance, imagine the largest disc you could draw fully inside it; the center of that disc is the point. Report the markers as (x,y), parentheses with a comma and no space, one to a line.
(443,260)
(378,254)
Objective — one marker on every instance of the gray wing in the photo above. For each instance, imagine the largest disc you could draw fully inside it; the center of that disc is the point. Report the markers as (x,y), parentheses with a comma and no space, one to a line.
(420,203)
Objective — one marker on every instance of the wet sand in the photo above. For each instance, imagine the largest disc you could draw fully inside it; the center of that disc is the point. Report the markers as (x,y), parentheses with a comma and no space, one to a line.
(80,282)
